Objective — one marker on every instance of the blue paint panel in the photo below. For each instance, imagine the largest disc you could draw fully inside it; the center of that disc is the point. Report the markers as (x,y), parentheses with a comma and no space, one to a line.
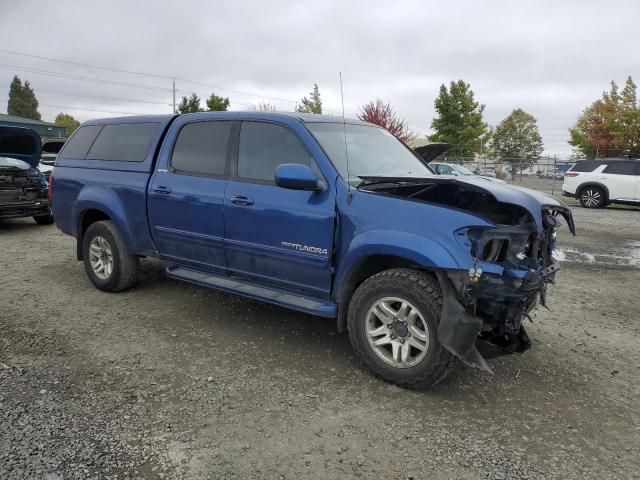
(255,235)
(120,195)
(187,221)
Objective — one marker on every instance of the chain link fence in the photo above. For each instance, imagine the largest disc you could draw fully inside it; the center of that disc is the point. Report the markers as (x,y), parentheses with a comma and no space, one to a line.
(545,173)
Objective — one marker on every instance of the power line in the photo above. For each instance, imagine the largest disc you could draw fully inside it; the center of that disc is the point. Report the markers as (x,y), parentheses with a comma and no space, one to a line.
(240,92)
(214,87)
(70,107)
(83,78)
(131,100)
(85,64)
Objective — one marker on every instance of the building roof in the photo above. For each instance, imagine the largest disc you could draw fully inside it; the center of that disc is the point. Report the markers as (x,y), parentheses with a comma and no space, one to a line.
(14,119)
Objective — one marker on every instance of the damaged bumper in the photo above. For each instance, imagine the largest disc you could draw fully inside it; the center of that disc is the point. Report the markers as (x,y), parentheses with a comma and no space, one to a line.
(484,307)
(24,209)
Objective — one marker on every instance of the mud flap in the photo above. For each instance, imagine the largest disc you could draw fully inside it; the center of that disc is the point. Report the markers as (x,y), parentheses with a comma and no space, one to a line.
(458,330)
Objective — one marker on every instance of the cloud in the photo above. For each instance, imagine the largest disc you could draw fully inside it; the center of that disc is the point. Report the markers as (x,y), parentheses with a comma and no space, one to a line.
(550,58)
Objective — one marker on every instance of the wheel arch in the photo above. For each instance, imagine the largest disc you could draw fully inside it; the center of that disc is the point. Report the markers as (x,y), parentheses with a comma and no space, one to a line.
(593,184)
(85,219)
(364,268)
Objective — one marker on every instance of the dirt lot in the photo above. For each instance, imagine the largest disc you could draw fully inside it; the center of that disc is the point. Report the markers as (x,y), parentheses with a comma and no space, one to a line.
(174,381)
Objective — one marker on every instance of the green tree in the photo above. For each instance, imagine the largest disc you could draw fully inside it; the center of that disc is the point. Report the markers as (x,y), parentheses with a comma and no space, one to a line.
(217,104)
(610,126)
(517,141)
(190,104)
(22,100)
(68,122)
(458,120)
(313,104)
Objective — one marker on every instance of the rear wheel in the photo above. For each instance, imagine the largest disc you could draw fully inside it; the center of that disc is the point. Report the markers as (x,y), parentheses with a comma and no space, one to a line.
(592,197)
(393,321)
(107,261)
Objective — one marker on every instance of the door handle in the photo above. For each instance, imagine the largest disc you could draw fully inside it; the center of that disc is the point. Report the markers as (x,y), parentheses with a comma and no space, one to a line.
(241,200)
(162,189)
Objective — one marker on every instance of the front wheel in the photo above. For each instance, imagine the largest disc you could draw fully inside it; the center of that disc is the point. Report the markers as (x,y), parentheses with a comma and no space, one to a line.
(107,261)
(393,321)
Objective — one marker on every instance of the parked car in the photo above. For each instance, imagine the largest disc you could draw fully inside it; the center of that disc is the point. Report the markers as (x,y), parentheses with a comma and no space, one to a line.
(597,183)
(419,268)
(442,168)
(50,150)
(23,188)
(433,150)
(487,172)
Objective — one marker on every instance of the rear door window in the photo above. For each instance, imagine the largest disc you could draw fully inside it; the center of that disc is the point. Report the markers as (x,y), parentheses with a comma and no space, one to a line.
(80,142)
(201,148)
(127,142)
(586,166)
(264,146)
(621,168)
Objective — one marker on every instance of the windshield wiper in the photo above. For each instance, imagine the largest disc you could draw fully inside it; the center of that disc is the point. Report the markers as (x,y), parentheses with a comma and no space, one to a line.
(370,180)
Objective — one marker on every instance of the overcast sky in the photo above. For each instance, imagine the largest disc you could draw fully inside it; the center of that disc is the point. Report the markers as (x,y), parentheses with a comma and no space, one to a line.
(549,58)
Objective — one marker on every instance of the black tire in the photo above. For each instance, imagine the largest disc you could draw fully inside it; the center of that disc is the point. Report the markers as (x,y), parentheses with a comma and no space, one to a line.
(43,219)
(592,197)
(125,265)
(421,290)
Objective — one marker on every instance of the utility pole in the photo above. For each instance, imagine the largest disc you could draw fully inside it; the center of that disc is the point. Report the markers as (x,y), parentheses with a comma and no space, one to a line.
(174,95)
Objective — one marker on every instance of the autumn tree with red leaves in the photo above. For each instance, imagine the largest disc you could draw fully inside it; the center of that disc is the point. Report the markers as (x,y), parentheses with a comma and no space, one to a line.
(383,115)
(610,126)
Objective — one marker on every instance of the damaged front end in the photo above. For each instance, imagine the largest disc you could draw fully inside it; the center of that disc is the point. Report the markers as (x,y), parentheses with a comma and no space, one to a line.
(485,307)
(510,263)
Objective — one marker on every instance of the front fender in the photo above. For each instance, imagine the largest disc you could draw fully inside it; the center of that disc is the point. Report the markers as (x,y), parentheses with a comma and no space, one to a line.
(422,250)
(107,201)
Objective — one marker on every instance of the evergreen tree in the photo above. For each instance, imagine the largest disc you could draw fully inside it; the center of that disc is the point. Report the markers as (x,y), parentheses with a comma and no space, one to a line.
(22,100)
(312,105)
(68,122)
(516,140)
(217,104)
(459,120)
(190,104)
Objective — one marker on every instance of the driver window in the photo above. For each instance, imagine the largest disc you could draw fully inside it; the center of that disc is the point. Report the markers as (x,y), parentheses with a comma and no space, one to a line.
(264,146)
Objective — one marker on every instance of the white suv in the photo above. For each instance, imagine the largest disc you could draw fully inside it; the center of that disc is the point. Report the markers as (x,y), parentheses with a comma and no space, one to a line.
(597,183)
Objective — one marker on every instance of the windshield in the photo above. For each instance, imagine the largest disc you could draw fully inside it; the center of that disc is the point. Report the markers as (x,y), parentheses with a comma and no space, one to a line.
(6,162)
(372,151)
(462,170)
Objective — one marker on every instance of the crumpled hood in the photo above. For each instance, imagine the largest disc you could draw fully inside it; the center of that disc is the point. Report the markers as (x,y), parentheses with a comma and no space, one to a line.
(531,200)
(21,143)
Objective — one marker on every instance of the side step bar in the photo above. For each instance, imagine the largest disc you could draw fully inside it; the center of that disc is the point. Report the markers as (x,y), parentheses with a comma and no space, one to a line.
(283,298)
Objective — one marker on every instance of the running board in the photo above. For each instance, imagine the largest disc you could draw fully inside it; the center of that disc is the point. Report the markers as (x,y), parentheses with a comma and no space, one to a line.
(283,298)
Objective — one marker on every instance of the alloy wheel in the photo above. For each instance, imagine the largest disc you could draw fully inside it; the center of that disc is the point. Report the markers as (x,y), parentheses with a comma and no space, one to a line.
(591,198)
(397,332)
(101,258)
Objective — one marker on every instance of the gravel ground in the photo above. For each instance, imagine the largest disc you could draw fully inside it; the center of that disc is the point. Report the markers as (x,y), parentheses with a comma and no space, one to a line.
(174,381)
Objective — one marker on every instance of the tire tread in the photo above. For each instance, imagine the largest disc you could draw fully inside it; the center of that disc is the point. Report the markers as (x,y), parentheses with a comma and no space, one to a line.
(425,285)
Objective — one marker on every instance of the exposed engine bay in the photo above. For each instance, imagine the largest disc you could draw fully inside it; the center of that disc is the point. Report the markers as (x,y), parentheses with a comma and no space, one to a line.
(23,191)
(512,264)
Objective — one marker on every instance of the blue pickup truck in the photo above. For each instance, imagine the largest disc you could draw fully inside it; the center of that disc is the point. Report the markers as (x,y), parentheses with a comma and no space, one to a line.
(332,217)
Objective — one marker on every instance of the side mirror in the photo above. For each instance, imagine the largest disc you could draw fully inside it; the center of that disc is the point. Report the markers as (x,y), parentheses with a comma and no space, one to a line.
(295,176)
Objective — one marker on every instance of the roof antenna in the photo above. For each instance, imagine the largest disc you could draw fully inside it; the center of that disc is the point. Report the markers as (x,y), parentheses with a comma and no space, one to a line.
(346,148)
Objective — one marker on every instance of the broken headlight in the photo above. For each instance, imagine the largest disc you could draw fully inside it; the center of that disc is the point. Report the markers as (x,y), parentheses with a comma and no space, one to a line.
(498,244)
